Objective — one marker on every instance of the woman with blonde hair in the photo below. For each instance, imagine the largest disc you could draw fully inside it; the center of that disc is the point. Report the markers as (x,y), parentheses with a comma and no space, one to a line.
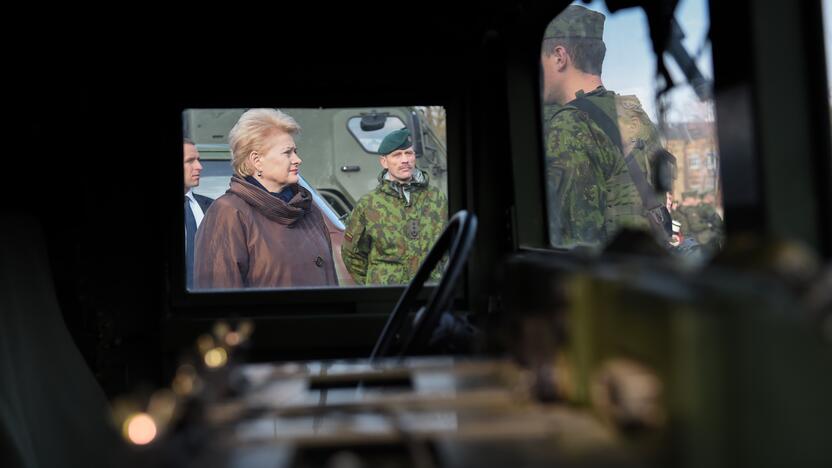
(265,231)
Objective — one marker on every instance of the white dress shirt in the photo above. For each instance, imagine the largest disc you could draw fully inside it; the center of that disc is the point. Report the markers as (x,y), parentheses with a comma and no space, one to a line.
(198,214)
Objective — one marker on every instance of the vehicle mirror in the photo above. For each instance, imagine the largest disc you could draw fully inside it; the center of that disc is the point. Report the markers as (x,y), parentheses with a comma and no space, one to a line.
(373,122)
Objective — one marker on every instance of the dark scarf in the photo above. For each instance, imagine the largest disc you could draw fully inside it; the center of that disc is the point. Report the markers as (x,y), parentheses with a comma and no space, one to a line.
(272,205)
(286,194)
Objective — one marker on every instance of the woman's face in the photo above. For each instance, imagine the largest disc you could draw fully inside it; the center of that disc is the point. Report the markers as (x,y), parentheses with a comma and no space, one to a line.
(280,164)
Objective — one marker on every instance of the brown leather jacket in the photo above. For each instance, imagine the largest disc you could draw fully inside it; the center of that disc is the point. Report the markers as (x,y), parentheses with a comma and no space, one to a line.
(252,239)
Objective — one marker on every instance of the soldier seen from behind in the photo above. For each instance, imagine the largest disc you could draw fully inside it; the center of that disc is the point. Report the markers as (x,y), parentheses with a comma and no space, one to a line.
(599,173)
(392,228)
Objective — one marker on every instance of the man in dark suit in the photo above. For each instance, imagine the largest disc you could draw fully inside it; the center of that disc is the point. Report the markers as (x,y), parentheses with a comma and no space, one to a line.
(195,205)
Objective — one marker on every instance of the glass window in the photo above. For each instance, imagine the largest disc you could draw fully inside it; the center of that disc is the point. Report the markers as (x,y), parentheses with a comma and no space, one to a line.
(299,203)
(618,152)
(370,129)
(693,161)
(710,160)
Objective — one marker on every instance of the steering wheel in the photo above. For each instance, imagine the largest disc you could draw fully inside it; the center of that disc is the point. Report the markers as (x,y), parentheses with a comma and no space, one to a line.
(456,240)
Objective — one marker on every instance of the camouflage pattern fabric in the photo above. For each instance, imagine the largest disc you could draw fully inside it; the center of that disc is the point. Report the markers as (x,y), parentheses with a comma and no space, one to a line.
(712,233)
(589,189)
(576,21)
(635,126)
(389,232)
(549,111)
(687,216)
(703,224)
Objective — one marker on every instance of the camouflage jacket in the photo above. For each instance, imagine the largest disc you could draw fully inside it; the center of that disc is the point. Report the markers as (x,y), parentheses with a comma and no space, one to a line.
(589,190)
(702,223)
(391,230)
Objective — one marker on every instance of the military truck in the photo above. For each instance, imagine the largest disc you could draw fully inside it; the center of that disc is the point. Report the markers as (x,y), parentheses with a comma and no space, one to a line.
(338,148)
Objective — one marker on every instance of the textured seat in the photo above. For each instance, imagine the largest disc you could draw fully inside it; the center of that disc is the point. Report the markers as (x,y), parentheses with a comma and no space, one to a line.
(52,411)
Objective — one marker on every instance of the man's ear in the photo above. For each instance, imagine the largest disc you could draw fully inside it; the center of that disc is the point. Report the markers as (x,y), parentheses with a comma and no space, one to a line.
(383,161)
(562,58)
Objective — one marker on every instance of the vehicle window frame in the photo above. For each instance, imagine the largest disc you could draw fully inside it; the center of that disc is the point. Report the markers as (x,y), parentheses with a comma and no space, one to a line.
(367,303)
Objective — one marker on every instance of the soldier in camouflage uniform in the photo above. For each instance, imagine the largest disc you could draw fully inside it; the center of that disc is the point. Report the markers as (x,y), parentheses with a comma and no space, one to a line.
(700,221)
(687,215)
(712,232)
(392,228)
(590,191)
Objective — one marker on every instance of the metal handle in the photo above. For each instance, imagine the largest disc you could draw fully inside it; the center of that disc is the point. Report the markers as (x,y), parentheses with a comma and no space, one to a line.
(350,168)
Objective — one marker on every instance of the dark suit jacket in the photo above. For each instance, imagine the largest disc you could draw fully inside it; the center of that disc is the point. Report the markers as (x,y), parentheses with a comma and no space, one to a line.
(203,202)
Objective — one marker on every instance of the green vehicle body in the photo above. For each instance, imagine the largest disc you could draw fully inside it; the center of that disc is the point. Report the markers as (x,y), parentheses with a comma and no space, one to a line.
(337,146)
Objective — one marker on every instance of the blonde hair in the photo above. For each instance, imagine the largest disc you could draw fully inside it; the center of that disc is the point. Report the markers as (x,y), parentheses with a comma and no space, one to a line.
(250,133)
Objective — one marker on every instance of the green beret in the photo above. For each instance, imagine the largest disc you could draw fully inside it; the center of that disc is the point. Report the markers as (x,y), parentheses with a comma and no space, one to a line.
(690,195)
(399,139)
(576,21)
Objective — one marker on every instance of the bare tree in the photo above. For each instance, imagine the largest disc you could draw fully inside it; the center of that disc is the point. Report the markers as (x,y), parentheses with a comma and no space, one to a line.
(435,115)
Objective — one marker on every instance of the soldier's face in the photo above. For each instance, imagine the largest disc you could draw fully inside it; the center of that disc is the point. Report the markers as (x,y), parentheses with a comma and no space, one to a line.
(281,164)
(193,168)
(552,77)
(400,164)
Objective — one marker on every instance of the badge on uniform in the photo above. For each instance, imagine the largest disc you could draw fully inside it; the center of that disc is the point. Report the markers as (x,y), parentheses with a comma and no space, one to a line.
(413,229)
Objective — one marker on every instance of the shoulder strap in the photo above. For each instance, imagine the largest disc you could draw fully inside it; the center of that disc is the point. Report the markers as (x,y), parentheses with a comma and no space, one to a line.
(611,129)
(656,212)
(601,119)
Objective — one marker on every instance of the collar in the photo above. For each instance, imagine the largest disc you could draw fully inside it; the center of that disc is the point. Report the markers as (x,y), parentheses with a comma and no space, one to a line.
(418,180)
(285,194)
(389,177)
(599,90)
(269,205)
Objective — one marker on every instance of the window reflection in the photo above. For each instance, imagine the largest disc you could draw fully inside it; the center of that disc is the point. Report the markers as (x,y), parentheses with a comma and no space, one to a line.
(613,158)
(371,136)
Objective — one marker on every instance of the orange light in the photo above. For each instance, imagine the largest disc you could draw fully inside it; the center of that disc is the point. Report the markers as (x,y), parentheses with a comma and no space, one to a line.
(245,329)
(232,339)
(162,407)
(184,382)
(216,357)
(221,329)
(183,385)
(204,343)
(140,429)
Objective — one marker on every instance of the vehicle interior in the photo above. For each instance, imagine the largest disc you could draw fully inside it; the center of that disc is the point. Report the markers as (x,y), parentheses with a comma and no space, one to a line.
(521,354)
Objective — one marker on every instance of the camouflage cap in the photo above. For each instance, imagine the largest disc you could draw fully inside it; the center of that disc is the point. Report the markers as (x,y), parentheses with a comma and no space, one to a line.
(399,139)
(576,21)
(690,194)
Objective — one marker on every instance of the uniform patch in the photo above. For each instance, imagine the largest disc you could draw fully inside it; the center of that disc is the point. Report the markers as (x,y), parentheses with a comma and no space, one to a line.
(413,229)
(348,236)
